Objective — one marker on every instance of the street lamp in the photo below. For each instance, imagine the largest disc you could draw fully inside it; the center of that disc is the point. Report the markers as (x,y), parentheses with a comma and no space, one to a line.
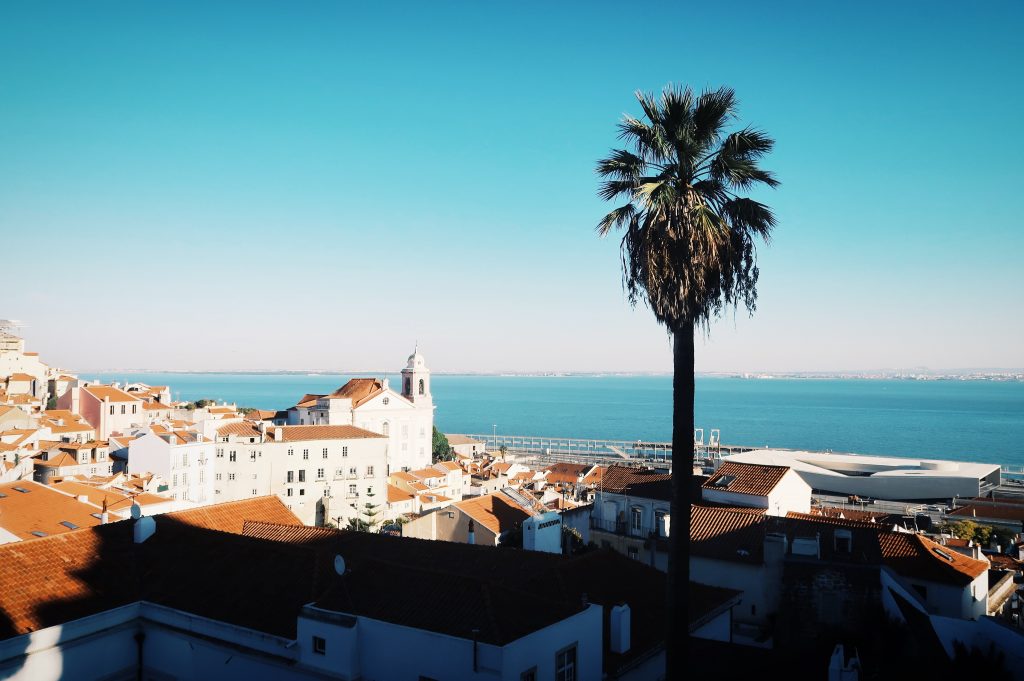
(494,437)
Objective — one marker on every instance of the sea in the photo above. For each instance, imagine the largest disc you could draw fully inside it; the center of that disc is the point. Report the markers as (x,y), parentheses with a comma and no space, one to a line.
(962,420)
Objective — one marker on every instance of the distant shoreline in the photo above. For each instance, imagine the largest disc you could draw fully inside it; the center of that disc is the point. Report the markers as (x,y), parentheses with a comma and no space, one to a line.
(1012,375)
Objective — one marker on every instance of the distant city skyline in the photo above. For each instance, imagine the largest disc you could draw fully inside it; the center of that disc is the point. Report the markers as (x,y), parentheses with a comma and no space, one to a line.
(223,187)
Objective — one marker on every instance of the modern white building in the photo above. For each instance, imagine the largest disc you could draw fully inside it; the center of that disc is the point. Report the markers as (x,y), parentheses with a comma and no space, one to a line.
(20,372)
(184,458)
(406,418)
(880,477)
(322,473)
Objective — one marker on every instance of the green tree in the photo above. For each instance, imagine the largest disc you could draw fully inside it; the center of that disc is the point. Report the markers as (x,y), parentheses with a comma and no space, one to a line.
(442,451)
(502,451)
(688,252)
(51,402)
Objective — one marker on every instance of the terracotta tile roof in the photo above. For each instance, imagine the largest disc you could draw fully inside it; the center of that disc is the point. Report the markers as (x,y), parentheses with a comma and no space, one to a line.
(307,400)
(566,472)
(21,377)
(396,495)
(727,534)
(595,476)
(494,511)
(834,519)
(61,460)
(154,406)
(231,516)
(241,428)
(916,556)
(426,473)
(359,390)
(404,476)
(299,433)
(106,392)
(116,500)
(455,439)
(637,482)
(41,509)
(1001,561)
(746,478)
(448,465)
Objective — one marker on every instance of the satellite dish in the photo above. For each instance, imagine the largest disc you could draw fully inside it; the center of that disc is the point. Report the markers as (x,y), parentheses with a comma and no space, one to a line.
(136,511)
(339,565)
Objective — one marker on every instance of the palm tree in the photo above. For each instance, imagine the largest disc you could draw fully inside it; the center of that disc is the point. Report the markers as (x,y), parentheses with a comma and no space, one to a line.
(688,252)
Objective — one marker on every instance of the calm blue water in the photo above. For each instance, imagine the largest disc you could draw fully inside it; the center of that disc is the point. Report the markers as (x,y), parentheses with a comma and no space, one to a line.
(964,420)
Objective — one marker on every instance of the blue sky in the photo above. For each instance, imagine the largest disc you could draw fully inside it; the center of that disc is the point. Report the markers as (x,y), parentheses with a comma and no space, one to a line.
(310,185)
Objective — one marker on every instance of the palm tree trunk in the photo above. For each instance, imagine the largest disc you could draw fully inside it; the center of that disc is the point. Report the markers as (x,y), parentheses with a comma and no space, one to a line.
(678,638)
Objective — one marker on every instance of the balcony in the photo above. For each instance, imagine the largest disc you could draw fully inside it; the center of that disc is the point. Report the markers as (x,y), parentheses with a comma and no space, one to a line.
(623,528)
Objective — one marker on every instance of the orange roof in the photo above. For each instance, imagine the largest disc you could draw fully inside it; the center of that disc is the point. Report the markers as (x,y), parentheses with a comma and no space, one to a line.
(231,516)
(493,511)
(725,534)
(41,509)
(637,482)
(116,499)
(359,390)
(566,472)
(449,465)
(396,495)
(914,555)
(243,428)
(454,440)
(152,406)
(746,478)
(21,377)
(59,461)
(299,433)
(106,392)
(428,473)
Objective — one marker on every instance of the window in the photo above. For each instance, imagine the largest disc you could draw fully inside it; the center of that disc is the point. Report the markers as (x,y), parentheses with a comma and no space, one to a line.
(134,407)
(290,476)
(252,456)
(302,476)
(231,476)
(369,490)
(385,429)
(305,454)
(174,481)
(843,541)
(231,456)
(291,451)
(319,645)
(302,492)
(319,473)
(405,430)
(352,472)
(661,522)
(565,664)
(369,471)
(344,451)
(202,475)
(422,387)
(386,401)
(122,409)
(529,675)
(111,410)
(636,520)
(633,552)
(325,452)
(217,476)
(220,453)
(289,491)
(254,492)
(352,490)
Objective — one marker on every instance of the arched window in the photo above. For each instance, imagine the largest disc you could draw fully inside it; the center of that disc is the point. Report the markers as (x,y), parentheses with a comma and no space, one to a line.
(385,429)
(408,386)
(421,386)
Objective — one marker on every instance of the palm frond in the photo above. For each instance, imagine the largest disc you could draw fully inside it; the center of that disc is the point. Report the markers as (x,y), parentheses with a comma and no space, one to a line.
(616,219)
(622,165)
(713,111)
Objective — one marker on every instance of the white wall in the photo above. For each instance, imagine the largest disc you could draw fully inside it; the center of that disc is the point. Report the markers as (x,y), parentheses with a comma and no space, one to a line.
(543,533)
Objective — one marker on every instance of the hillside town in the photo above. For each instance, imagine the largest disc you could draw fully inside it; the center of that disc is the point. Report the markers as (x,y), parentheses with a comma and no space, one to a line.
(208,538)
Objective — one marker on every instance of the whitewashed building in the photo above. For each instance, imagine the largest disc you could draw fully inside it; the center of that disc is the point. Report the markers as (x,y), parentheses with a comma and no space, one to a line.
(406,418)
(322,473)
(184,458)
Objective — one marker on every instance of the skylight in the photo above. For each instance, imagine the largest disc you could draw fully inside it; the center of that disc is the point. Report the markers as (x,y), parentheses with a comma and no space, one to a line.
(21,489)
(943,554)
(39,534)
(724,481)
(68,524)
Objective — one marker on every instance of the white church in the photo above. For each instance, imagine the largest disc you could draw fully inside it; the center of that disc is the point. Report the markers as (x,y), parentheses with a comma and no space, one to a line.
(406,417)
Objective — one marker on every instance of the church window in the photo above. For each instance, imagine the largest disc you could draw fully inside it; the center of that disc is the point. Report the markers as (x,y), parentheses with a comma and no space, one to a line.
(386,428)
(407,391)
(421,387)
(386,401)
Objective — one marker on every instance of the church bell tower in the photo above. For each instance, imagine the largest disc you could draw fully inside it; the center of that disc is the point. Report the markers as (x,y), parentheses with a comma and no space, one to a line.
(416,379)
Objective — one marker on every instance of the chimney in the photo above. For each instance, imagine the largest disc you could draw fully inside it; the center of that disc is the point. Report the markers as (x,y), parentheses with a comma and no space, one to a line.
(620,629)
(262,425)
(278,434)
(104,516)
(472,535)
